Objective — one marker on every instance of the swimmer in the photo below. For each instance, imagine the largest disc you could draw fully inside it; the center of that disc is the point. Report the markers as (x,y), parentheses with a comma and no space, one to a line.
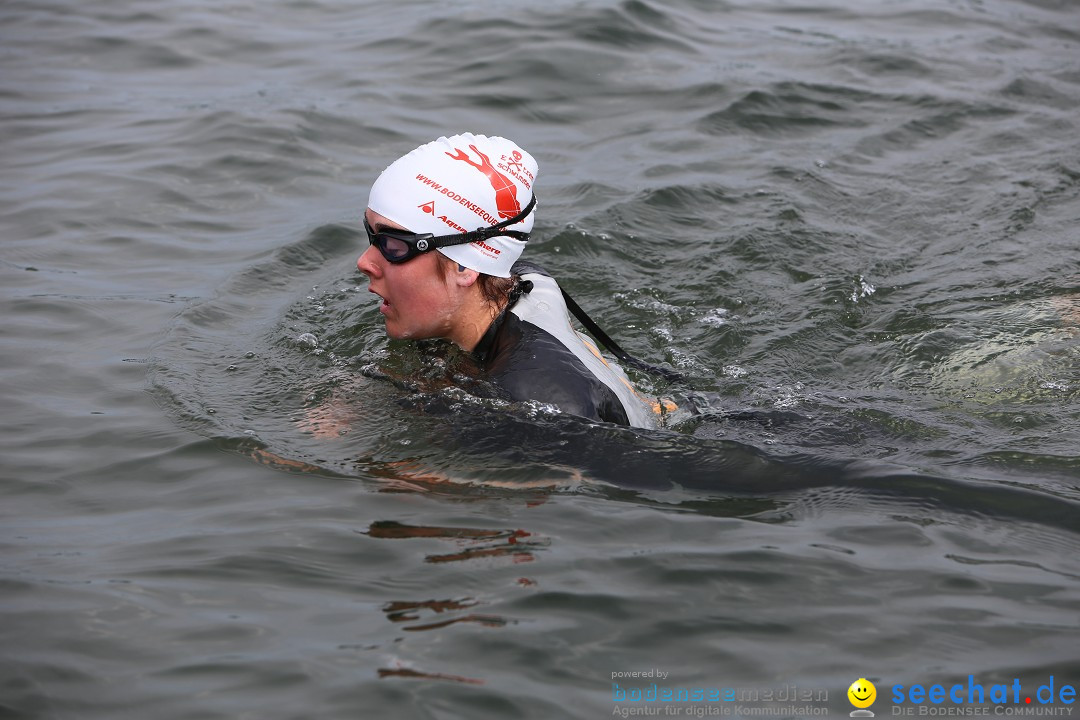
(447,224)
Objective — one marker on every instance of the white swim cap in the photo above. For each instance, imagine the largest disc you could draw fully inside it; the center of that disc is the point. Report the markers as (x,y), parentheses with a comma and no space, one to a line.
(457,184)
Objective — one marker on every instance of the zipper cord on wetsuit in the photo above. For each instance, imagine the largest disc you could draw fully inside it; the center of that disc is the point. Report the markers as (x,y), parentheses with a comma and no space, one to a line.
(521,287)
(604,339)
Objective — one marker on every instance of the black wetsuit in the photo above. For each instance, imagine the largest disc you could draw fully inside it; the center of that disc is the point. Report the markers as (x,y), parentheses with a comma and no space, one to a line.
(528,362)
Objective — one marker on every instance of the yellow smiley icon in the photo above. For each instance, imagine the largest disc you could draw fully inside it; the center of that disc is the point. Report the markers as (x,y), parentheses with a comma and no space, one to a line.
(862,693)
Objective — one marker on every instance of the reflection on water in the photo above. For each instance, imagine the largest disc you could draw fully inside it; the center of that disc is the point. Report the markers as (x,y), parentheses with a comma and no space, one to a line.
(478,543)
(407,611)
(410,673)
(474,544)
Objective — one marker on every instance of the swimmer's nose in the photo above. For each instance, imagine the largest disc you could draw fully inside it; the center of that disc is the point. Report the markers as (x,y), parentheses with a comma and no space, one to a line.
(367,263)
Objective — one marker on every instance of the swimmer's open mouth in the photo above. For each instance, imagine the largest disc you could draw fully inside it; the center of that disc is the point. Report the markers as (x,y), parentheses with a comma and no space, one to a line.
(385,303)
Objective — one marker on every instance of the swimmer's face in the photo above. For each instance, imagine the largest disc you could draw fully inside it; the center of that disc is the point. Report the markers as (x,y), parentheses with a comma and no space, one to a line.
(862,693)
(418,303)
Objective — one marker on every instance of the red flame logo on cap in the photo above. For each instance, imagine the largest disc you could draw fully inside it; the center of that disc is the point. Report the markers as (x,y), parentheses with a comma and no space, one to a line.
(505,189)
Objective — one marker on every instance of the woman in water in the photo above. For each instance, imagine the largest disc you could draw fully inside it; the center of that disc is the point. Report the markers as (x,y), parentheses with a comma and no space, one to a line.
(446,225)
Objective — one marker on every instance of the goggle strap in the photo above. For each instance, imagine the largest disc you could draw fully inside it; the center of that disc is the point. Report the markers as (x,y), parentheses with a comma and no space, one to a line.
(488,232)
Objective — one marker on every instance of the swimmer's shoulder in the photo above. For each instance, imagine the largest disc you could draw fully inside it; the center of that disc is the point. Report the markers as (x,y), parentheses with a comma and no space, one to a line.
(528,363)
(528,267)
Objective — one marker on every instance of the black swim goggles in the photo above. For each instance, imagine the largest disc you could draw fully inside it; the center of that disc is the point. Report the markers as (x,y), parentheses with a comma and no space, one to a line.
(399,246)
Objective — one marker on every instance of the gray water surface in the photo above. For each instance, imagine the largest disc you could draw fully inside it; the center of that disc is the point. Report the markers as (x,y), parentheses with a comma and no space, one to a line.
(852,226)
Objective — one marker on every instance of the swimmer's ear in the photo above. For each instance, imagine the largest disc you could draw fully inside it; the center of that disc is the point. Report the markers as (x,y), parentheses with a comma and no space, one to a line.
(465,277)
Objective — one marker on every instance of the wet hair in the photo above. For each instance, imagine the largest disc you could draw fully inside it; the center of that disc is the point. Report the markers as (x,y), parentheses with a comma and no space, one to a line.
(496,290)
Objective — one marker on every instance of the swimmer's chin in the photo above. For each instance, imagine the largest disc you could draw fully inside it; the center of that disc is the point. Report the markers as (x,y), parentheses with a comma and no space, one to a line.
(399,334)
(395,335)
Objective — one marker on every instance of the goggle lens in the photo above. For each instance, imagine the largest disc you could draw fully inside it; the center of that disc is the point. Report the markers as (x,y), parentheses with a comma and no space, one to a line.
(393,248)
(397,246)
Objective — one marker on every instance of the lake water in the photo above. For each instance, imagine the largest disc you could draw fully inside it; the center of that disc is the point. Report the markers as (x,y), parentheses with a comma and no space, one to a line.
(853,227)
